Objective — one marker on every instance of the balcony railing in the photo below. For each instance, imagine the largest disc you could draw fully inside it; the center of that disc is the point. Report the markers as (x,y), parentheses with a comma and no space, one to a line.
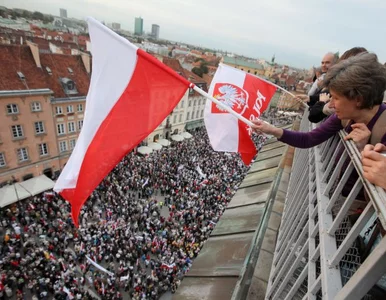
(326,248)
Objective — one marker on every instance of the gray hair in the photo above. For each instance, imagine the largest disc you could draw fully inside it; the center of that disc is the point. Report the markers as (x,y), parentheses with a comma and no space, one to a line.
(335,56)
(359,77)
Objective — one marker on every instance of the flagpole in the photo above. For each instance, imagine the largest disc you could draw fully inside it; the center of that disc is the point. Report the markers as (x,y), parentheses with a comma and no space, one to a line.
(222,105)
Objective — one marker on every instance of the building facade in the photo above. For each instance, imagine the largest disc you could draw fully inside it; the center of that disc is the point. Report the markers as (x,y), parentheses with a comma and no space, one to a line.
(155,31)
(116,26)
(27,147)
(138,26)
(287,102)
(42,98)
(63,13)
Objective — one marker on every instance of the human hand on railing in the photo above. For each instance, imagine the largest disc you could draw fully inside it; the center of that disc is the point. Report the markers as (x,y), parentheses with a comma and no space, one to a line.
(260,126)
(374,164)
(360,135)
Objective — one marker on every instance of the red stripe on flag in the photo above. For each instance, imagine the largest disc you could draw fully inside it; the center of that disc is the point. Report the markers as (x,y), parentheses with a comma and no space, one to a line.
(149,97)
(256,105)
(247,148)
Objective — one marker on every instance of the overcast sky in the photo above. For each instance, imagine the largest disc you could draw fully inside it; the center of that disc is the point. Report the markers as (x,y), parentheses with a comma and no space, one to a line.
(299,32)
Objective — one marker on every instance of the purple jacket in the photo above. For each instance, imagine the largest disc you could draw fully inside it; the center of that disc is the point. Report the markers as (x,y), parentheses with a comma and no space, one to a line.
(327,129)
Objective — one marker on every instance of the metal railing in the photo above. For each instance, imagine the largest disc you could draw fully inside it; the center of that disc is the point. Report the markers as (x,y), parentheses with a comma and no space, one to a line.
(330,246)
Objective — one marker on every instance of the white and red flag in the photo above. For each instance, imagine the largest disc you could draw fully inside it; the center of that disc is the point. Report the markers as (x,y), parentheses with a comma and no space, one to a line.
(247,95)
(130,94)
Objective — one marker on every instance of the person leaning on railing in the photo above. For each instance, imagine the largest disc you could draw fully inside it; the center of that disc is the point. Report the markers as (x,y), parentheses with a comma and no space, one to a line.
(357,86)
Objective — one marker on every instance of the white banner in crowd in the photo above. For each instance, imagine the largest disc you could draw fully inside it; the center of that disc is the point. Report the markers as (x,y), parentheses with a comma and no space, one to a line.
(99,266)
(199,171)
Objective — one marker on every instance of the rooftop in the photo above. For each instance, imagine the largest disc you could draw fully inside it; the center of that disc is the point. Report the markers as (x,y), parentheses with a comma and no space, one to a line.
(16,58)
(243,63)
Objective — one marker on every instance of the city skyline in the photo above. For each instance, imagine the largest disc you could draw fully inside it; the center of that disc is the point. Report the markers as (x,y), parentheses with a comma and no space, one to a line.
(255,30)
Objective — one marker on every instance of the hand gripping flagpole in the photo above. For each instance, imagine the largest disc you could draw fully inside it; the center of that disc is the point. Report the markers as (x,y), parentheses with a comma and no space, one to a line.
(222,105)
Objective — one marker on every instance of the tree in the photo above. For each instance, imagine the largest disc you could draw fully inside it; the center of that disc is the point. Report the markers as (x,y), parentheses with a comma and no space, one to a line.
(37,15)
(204,68)
(26,14)
(198,71)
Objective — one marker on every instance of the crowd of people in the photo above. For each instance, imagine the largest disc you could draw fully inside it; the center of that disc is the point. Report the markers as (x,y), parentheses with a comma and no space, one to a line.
(139,231)
(278,117)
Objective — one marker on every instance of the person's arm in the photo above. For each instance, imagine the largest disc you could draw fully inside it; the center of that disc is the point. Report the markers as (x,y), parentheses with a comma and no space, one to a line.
(301,139)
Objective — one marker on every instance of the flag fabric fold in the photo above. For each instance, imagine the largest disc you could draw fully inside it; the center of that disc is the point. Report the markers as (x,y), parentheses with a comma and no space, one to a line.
(130,94)
(246,94)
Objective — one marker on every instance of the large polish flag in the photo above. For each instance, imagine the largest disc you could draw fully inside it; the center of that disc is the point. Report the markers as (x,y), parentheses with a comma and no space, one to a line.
(130,94)
(244,93)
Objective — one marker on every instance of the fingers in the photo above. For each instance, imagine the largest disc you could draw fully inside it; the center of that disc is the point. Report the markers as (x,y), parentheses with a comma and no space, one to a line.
(369,147)
(257,124)
(370,156)
(358,126)
(349,136)
(379,147)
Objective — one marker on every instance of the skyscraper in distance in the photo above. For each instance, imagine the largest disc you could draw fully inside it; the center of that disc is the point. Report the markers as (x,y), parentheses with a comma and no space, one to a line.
(63,13)
(155,31)
(138,26)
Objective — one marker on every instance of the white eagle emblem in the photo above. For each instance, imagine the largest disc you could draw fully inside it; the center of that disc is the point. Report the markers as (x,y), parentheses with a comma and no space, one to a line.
(232,96)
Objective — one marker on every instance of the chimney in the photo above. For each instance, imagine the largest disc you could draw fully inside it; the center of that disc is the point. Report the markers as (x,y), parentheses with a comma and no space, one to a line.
(86,61)
(35,53)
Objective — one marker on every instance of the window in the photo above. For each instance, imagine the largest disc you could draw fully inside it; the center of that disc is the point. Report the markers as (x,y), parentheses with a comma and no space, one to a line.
(61,129)
(17,131)
(195,102)
(182,103)
(188,115)
(202,113)
(71,127)
(35,106)
(72,144)
(39,127)
(2,160)
(199,101)
(58,110)
(197,113)
(12,109)
(175,119)
(63,146)
(180,118)
(80,124)
(79,107)
(43,149)
(22,154)
(70,109)
(190,103)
